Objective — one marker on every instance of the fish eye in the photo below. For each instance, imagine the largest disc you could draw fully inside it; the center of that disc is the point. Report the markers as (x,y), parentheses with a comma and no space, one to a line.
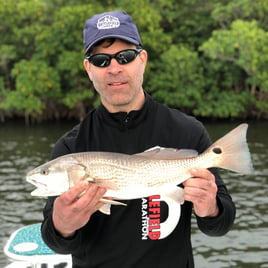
(44,172)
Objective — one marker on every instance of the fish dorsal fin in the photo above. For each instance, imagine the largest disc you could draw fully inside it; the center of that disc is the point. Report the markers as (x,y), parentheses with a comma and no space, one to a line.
(167,153)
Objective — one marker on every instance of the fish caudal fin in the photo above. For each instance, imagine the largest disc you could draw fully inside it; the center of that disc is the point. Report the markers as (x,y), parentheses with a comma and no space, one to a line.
(233,151)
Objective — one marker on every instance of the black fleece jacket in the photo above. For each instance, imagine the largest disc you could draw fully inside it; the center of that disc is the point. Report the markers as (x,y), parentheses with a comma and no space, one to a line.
(117,241)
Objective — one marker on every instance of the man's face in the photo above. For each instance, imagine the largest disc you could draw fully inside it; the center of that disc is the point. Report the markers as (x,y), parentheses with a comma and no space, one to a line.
(119,85)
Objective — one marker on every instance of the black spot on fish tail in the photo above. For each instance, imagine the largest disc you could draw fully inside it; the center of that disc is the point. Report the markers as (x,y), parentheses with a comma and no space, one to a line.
(217,150)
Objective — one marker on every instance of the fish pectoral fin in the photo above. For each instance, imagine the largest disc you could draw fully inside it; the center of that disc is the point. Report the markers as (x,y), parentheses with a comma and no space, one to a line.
(106,184)
(167,153)
(106,207)
(76,173)
(176,194)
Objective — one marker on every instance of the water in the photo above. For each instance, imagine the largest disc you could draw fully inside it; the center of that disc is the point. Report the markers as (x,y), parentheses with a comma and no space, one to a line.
(246,245)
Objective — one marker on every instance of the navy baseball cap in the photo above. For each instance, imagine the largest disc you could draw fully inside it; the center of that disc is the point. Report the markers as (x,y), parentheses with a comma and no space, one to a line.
(115,24)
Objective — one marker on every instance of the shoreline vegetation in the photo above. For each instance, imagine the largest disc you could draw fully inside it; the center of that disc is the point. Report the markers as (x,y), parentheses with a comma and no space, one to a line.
(209,60)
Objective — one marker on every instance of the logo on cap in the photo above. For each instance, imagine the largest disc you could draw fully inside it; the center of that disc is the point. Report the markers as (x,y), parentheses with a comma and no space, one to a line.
(108,22)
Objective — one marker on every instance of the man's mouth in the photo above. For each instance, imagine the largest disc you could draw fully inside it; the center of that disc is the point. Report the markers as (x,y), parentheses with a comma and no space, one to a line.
(116,83)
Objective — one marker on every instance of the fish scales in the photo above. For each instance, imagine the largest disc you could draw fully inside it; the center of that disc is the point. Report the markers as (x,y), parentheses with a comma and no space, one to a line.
(155,171)
(117,167)
(130,170)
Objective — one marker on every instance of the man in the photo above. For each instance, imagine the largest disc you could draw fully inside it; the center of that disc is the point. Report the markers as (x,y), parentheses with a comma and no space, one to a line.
(130,121)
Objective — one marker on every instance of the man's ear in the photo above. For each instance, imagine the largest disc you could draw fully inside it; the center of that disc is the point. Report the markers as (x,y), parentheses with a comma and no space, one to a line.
(87,68)
(144,57)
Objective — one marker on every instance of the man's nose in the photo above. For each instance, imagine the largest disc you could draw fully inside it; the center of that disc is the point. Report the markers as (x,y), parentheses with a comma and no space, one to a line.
(114,67)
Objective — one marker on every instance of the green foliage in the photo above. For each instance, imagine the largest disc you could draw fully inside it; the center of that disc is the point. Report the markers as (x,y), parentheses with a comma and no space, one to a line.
(245,46)
(36,85)
(223,104)
(247,10)
(177,79)
(208,58)
(188,21)
(148,20)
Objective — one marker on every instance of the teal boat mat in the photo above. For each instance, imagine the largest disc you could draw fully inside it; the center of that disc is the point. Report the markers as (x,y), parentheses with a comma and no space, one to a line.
(26,244)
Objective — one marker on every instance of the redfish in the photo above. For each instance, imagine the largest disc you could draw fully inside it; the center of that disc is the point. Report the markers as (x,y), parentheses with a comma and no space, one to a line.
(156,171)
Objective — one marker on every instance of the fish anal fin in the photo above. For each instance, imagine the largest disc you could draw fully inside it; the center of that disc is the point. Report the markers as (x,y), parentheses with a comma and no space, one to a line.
(176,194)
(106,207)
(112,202)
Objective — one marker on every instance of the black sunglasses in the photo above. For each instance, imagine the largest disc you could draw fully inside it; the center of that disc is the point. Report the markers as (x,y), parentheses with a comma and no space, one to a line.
(122,57)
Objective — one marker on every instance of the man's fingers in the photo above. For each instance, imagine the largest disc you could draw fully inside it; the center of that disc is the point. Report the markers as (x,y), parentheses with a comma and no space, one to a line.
(91,196)
(198,183)
(202,173)
(74,193)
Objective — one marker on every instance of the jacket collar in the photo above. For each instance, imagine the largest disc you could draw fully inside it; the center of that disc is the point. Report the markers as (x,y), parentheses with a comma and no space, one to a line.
(125,120)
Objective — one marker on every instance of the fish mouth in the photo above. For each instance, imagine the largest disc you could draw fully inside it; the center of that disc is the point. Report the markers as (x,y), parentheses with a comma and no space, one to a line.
(39,192)
(37,183)
(41,188)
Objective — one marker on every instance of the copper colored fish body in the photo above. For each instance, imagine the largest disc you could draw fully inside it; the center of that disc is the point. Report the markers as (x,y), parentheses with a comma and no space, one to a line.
(155,171)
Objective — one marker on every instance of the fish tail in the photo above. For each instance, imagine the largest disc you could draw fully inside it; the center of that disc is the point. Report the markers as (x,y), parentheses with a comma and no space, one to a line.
(233,151)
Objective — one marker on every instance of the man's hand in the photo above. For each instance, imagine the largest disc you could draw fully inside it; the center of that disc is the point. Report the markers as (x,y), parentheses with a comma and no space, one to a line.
(201,190)
(73,209)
